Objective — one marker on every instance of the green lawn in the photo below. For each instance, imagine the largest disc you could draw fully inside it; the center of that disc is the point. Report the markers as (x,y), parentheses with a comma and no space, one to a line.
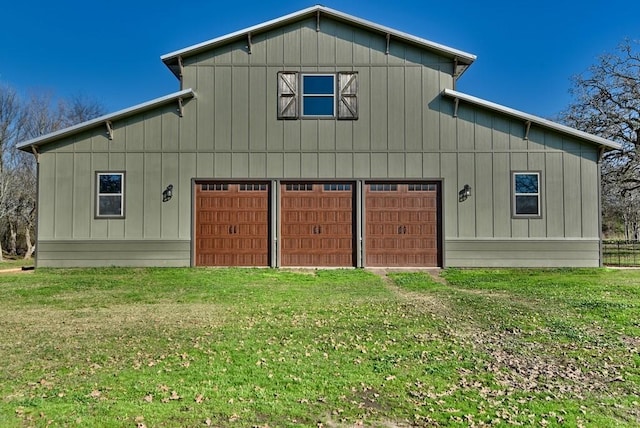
(12,262)
(328,348)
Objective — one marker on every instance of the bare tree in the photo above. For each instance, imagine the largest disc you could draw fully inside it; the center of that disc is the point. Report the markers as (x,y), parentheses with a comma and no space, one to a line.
(11,120)
(43,118)
(607,103)
(79,108)
(24,198)
(620,213)
(23,120)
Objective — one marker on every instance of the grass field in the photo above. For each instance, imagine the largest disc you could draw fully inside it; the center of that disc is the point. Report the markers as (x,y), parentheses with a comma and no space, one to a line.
(13,262)
(266,348)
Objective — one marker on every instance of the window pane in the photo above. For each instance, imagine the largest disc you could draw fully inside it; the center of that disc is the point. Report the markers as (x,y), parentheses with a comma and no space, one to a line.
(383,187)
(110,205)
(318,85)
(337,187)
(422,187)
(526,183)
(110,183)
(300,187)
(254,187)
(527,205)
(318,106)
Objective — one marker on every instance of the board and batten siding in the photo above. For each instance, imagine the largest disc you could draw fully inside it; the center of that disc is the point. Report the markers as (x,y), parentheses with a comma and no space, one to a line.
(152,233)
(405,130)
(481,230)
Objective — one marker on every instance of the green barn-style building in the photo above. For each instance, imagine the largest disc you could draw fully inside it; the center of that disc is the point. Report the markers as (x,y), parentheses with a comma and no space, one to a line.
(318,139)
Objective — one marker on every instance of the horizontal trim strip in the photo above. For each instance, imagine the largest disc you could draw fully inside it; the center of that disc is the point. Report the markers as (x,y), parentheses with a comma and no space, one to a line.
(476,248)
(126,255)
(113,245)
(524,263)
(110,263)
(85,253)
(518,255)
(507,239)
(578,252)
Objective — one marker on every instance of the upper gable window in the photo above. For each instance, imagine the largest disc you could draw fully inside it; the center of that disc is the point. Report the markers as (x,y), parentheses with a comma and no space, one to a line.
(318,95)
(312,96)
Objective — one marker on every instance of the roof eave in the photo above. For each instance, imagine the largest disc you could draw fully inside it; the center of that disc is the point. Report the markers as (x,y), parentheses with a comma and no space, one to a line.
(121,114)
(545,123)
(171,59)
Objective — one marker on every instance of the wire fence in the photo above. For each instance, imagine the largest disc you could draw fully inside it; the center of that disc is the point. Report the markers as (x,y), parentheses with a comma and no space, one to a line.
(621,253)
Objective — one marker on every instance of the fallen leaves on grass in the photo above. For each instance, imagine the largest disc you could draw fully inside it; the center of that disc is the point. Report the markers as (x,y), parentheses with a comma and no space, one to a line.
(174,396)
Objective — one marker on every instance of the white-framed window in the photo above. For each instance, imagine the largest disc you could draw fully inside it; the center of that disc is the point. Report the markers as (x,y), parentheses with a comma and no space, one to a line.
(109,194)
(526,194)
(317,95)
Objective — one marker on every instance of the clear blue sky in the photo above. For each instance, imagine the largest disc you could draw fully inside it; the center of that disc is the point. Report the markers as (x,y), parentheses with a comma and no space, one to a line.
(110,50)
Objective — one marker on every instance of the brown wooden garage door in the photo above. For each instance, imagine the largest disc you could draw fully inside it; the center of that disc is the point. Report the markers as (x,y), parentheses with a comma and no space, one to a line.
(402,225)
(317,224)
(232,224)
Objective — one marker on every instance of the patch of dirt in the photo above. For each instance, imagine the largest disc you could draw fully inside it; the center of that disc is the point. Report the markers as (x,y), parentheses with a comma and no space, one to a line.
(16,270)
(422,302)
(433,272)
(517,363)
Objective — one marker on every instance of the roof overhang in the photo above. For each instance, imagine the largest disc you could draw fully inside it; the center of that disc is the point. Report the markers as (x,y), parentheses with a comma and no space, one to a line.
(106,119)
(567,130)
(462,59)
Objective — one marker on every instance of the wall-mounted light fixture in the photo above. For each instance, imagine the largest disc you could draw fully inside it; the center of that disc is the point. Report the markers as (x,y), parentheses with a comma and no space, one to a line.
(167,194)
(464,193)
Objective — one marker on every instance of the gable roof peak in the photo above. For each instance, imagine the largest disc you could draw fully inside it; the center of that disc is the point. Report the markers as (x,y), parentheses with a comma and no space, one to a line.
(173,59)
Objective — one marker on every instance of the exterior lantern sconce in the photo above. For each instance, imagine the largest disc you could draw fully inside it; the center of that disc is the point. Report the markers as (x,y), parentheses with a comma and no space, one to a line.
(167,194)
(464,193)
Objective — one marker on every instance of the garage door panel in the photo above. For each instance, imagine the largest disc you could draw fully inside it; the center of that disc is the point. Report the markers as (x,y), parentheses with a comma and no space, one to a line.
(251,202)
(317,224)
(232,224)
(337,230)
(402,225)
